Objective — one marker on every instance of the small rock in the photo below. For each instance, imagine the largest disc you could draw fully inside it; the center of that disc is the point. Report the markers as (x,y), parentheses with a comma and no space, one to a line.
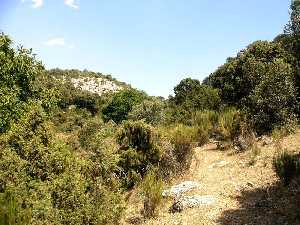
(191,202)
(179,189)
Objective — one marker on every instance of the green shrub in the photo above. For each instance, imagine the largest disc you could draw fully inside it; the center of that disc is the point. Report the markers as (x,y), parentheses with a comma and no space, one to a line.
(206,119)
(152,190)
(192,95)
(184,139)
(19,69)
(12,212)
(268,106)
(139,150)
(286,166)
(227,124)
(121,104)
(151,111)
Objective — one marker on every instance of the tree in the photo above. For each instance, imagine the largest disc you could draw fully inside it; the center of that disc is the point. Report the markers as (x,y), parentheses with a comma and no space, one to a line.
(273,101)
(18,72)
(121,104)
(191,95)
(291,39)
(293,27)
(238,77)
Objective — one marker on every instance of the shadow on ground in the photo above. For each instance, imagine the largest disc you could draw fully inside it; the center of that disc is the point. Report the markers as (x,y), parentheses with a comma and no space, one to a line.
(274,205)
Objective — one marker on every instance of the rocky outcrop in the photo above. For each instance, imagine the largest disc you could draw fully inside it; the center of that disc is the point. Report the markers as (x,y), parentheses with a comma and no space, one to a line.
(95,85)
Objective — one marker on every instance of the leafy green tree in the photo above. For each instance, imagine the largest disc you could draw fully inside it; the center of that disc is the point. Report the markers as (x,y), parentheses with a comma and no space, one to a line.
(238,77)
(293,27)
(190,94)
(291,39)
(121,104)
(18,71)
(273,101)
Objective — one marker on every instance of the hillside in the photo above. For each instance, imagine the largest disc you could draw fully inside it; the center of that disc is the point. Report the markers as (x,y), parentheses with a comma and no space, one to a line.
(243,186)
(94,83)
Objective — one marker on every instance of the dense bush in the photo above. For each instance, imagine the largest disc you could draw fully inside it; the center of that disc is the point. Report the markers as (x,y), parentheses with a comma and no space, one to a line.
(18,72)
(42,181)
(191,95)
(269,106)
(184,139)
(45,173)
(121,104)
(12,212)
(248,80)
(152,111)
(238,77)
(139,150)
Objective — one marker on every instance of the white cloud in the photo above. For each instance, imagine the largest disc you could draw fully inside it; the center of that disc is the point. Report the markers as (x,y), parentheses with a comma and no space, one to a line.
(59,41)
(35,3)
(72,4)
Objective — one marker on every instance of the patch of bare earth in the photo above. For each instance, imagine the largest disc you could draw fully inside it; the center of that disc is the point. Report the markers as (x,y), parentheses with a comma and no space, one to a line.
(244,186)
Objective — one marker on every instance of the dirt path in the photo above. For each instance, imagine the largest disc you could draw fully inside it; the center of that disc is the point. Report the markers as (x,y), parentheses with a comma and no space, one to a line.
(244,186)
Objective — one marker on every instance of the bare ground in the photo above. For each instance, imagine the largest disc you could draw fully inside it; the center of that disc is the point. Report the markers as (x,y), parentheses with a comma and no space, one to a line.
(244,185)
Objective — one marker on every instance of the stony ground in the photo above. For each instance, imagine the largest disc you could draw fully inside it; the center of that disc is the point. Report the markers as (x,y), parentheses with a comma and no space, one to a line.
(244,187)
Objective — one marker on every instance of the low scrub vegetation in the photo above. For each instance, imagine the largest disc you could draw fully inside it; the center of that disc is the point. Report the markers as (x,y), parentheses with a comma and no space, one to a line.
(68,155)
(152,188)
(287,166)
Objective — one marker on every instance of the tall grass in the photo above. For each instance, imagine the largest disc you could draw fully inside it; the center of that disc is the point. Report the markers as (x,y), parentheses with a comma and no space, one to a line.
(152,190)
(11,212)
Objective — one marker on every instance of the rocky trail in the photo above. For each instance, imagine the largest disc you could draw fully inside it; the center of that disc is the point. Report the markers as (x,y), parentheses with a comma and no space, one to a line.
(225,187)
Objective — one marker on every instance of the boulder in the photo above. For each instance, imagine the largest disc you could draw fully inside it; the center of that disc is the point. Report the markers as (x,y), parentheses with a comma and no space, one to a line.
(191,202)
(181,188)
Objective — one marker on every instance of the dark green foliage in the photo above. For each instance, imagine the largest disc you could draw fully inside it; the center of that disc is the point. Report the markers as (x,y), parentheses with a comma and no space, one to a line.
(238,77)
(139,150)
(121,104)
(273,101)
(287,167)
(248,80)
(290,40)
(191,95)
(293,27)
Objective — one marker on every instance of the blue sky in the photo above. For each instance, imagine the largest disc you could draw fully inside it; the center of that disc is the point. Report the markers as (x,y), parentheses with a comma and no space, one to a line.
(151,44)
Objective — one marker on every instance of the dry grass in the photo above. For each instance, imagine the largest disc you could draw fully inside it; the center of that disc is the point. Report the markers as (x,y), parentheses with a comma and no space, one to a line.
(246,193)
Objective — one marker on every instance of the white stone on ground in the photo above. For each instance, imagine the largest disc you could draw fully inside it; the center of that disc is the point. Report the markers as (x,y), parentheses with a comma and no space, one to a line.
(192,202)
(181,188)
